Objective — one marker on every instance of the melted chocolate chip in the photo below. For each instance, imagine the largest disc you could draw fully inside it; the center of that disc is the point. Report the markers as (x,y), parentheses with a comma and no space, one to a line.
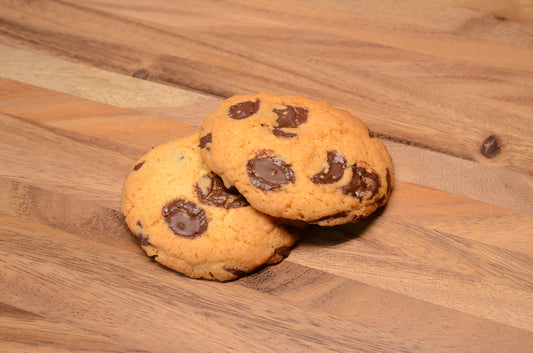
(235,271)
(138,165)
(358,218)
(335,170)
(205,140)
(211,191)
(283,251)
(289,117)
(269,173)
(362,183)
(329,217)
(142,239)
(280,133)
(243,110)
(185,218)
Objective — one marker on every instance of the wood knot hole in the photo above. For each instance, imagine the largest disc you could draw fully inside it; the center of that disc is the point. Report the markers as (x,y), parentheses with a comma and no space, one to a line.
(490,147)
(140,73)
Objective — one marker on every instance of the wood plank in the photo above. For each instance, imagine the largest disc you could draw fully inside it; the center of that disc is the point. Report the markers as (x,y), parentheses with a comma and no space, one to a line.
(26,332)
(83,81)
(515,9)
(446,266)
(412,164)
(479,253)
(201,315)
(136,288)
(387,74)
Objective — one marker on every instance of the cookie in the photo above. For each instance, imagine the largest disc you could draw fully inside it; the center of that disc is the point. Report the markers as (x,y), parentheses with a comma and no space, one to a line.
(298,159)
(186,219)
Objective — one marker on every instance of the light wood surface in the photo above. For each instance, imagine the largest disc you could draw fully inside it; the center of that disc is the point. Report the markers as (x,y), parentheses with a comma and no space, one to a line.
(87,88)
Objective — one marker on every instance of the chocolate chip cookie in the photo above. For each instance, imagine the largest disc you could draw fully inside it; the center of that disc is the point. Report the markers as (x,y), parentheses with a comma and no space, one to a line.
(298,159)
(186,219)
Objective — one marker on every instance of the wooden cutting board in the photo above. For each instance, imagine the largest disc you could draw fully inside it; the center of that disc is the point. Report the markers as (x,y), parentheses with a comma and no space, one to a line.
(446,266)
(432,271)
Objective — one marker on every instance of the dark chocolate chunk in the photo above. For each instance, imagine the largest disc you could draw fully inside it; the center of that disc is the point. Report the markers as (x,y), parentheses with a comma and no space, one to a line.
(358,218)
(280,133)
(216,194)
(490,147)
(283,251)
(333,216)
(185,218)
(205,140)
(289,117)
(235,271)
(269,173)
(142,239)
(334,172)
(243,110)
(362,183)
(138,165)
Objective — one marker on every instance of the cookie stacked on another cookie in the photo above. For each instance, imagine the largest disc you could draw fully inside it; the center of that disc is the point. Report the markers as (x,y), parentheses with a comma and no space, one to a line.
(211,205)
(184,217)
(298,159)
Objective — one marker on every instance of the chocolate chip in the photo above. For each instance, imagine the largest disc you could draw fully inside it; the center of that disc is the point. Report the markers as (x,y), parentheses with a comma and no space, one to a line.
(358,218)
(142,239)
(361,183)
(269,173)
(138,165)
(490,147)
(210,190)
(280,133)
(139,224)
(235,271)
(185,218)
(243,110)
(283,251)
(334,172)
(289,117)
(329,217)
(205,140)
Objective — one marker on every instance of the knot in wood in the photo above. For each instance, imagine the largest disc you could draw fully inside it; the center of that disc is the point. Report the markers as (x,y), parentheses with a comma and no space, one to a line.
(490,147)
(140,73)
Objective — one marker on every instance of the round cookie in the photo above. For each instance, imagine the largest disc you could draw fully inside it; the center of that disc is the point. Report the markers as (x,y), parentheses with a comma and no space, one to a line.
(184,216)
(298,159)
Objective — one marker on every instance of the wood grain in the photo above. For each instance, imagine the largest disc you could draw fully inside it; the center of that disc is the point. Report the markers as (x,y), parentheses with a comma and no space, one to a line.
(401,77)
(447,266)
(515,9)
(79,80)
(412,164)
(411,278)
